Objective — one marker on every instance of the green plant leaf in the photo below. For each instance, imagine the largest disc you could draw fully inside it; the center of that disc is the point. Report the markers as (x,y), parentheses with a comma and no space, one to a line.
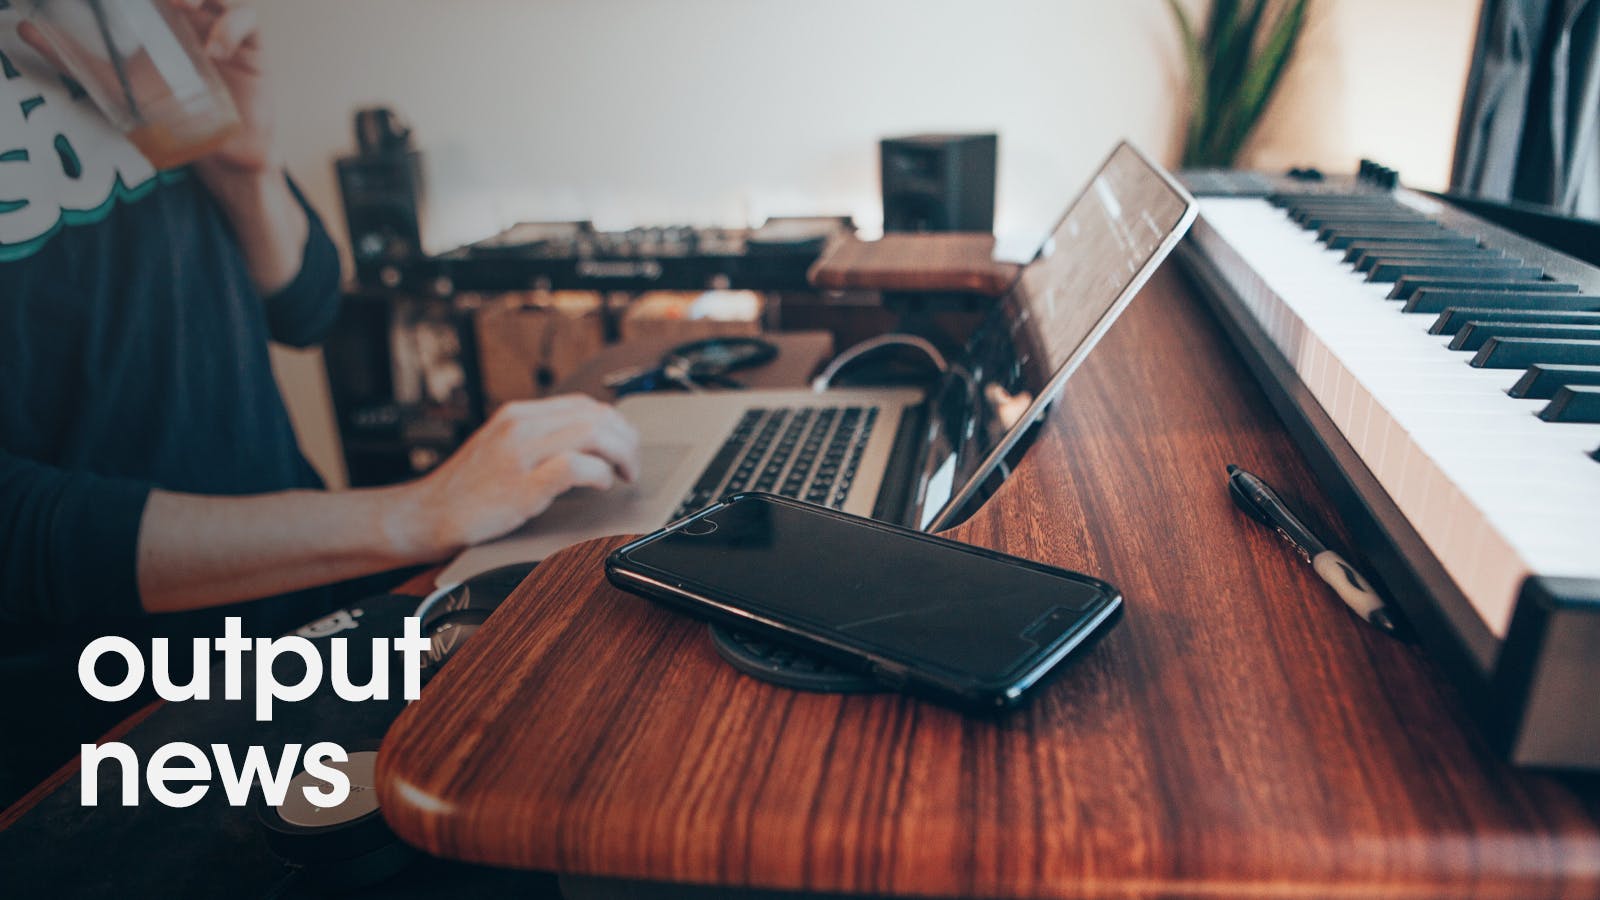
(1194,57)
(1223,12)
(1264,75)
(1234,47)
(1234,69)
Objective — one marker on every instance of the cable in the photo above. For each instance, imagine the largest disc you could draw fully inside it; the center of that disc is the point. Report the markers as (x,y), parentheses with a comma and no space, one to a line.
(825,380)
(432,600)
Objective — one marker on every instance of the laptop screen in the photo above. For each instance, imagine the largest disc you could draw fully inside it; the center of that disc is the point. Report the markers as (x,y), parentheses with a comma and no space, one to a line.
(1110,241)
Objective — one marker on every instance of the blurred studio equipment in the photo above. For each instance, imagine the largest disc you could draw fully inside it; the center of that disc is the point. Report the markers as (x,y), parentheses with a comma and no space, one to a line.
(383,197)
(406,381)
(939,182)
(577,256)
(1530,124)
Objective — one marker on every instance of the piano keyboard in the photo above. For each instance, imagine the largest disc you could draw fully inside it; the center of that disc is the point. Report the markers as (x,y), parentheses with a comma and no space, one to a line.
(1460,363)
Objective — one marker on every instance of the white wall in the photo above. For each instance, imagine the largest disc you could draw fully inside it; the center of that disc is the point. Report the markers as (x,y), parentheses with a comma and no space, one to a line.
(726,111)
(716,111)
(1377,78)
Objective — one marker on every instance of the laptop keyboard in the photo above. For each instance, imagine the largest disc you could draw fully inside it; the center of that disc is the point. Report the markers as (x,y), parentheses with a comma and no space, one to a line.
(809,453)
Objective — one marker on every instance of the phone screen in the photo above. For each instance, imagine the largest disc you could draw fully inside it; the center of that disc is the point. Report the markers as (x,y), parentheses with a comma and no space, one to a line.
(978,615)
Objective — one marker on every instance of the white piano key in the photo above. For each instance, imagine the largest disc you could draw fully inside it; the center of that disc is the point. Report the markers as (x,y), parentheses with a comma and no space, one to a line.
(1362,421)
(1405,490)
(1341,390)
(1496,574)
(1393,460)
(1495,492)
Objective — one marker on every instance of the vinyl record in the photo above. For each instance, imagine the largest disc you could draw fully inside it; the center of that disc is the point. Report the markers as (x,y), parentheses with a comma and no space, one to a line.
(338,848)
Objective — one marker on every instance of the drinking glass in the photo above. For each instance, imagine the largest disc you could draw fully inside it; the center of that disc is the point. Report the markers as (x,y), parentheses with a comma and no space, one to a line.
(146,69)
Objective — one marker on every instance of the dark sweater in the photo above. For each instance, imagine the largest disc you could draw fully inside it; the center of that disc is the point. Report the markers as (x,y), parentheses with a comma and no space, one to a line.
(133,355)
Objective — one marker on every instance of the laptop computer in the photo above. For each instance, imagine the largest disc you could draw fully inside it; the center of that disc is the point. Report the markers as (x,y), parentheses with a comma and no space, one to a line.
(908,456)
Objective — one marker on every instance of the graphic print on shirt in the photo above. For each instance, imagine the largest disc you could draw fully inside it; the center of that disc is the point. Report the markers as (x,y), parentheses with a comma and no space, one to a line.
(61,163)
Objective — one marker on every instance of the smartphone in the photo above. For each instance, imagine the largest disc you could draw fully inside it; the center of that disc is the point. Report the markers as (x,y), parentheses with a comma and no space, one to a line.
(958,624)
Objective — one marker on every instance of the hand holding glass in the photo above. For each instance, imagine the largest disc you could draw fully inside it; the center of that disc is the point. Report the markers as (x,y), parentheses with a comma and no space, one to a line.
(146,69)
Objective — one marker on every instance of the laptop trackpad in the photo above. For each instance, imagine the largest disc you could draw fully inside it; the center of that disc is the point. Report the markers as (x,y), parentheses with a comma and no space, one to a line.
(658,464)
(585,513)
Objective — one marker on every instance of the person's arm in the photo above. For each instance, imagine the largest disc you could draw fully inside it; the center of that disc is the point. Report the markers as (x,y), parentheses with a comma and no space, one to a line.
(66,544)
(246,174)
(271,226)
(77,547)
(301,313)
(196,551)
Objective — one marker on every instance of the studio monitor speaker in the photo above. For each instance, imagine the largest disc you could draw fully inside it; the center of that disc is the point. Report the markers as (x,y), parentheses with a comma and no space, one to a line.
(383,209)
(939,182)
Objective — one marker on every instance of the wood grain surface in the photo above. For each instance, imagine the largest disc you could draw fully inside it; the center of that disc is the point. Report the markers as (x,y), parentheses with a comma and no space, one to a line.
(1239,734)
(949,262)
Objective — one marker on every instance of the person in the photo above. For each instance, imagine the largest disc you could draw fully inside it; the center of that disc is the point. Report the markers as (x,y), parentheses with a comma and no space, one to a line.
(150,480)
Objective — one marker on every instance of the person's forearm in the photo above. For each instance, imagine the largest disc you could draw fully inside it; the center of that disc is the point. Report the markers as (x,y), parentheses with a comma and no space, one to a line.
(269,222)
(197,552)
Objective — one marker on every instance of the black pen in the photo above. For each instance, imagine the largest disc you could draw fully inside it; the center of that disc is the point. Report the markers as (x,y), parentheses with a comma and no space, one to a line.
(1261,503)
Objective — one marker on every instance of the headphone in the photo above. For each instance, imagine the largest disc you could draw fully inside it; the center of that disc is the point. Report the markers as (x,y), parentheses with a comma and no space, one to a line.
(338,849)
(348,847)
(452,614)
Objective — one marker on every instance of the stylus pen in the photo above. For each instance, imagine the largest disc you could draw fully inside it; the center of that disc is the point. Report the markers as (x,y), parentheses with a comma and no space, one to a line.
(1261,503)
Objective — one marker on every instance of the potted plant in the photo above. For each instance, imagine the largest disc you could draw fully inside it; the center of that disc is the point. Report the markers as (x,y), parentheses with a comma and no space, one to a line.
(1234,67)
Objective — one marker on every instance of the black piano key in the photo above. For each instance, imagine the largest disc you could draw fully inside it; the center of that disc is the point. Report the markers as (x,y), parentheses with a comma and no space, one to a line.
(1376,212)
(1371,259)
(1410,284)
(1329,234)
(1321,220)
(1520,353)
(1290,198)
(1540,382)
(1523,295)
(1447,247)
(1573,403)
(1377,225)
(1360,208)
(1361,251)
(1308,198)
(1299,212)
(1473,335)
(1453,319)
(1440,236)
(1306,213)
(1356,248)
(1302,212)
(1499,271)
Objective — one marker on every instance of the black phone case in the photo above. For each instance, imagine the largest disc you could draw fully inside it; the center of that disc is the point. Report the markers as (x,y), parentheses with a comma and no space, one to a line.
(907,676)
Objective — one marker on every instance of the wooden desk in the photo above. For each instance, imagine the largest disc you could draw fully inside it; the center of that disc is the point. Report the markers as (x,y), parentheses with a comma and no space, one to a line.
(958,262)
(1239,734)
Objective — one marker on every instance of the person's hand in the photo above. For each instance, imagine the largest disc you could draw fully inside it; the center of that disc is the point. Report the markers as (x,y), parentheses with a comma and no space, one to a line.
(230,37)
(512,468)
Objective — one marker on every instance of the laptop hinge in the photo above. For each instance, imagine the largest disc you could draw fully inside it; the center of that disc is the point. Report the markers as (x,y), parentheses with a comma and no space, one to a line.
(905,461)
